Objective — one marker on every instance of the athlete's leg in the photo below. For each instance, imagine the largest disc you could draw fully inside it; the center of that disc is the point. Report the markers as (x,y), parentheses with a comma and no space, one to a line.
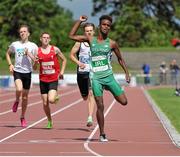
(82,81)
(97,89)
(24,102)
(46,106)
(52,96)
(52,91)
(44,88)
(91,103)
(116,90)
(19,89)
(84,84)
(100,113)
(121,99)
(26,81)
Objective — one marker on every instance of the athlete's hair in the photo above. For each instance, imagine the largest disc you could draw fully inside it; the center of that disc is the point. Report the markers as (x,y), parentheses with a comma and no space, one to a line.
(87,24)
(105,17)
(26,26)
(45,33)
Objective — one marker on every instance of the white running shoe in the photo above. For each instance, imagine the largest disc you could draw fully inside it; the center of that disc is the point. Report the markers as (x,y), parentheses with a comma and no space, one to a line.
(103,138)
(89,121)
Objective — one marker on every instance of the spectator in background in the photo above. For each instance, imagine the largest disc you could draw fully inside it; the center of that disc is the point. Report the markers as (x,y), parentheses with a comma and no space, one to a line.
(174,69)
(163,73)
(146,72)
(176,43)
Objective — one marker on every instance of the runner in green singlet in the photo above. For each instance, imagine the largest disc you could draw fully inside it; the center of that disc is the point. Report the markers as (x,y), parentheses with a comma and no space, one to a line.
(101,72)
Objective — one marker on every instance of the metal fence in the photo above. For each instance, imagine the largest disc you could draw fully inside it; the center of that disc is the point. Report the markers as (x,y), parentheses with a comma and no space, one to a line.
(158,79)
(136,79)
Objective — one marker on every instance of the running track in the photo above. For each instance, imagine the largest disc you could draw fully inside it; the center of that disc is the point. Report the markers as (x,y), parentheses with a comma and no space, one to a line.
(131,130)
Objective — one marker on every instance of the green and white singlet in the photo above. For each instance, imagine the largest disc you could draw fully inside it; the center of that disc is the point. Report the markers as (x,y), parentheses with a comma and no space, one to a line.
(100,58)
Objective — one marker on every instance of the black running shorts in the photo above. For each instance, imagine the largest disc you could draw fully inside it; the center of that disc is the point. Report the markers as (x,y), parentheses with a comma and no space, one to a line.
(83,83)
(45,87)
(25,78)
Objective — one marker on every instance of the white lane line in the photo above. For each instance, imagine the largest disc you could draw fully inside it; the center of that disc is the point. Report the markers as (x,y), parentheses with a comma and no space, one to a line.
(30,95)
(67,93)
(94,131)
(13,99)
(58,111)
(31,104)
(40,141)
(12,153)
(32,89)
(73,153)
(6,93)
(35,103)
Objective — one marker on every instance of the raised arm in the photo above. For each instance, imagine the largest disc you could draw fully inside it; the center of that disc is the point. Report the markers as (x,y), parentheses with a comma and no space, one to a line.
(73,35)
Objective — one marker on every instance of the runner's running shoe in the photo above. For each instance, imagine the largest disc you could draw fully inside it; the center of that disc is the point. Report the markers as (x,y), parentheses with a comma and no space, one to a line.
(49,125)
(103,138)
(23,122)
(15,106)
(89,121)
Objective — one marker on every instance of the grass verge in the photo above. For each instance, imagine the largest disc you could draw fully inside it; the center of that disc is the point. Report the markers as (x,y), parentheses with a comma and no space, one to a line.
(168,103)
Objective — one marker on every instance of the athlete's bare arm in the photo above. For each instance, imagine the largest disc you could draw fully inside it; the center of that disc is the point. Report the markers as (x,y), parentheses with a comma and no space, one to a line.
(36,60)
(33,57)
(73,35)
(121,61)
(8,58)
(73,53)
(63,59)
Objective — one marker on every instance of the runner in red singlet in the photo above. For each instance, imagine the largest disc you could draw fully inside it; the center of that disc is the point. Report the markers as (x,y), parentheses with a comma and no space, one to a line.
(49,72)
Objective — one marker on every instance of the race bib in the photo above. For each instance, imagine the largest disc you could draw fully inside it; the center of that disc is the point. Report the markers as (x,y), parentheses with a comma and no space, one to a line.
(99,63)
(48,71)
(20,52)
(85,60)
(47,67)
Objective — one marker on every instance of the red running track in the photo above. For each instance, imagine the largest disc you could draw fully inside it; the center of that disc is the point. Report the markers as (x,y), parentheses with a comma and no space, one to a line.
(132,130)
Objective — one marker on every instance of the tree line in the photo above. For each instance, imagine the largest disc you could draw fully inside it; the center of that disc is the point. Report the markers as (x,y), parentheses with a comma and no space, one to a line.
(137,23)
(142,23)
(40,16)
